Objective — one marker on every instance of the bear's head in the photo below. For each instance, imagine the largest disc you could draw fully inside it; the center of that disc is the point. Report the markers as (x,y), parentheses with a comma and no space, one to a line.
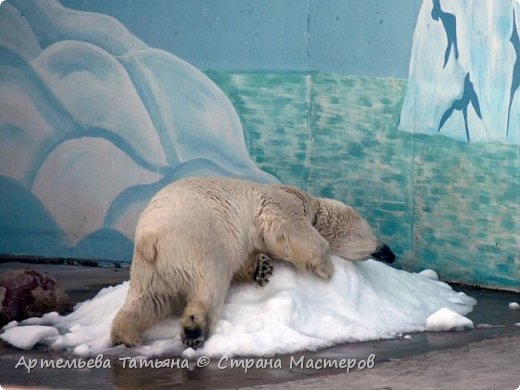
(347,233)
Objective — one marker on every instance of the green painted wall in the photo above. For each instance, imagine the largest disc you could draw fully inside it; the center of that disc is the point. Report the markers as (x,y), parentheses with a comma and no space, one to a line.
(441,203)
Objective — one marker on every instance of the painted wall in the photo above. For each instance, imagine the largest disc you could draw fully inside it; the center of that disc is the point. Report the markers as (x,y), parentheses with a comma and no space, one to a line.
(93,122)
(369,37)
(311,93)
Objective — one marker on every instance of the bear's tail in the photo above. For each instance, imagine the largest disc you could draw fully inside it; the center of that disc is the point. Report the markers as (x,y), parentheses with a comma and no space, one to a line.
(146,247)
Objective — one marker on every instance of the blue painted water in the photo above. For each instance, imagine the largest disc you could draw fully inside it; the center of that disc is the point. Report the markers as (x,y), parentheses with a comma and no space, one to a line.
(440,203)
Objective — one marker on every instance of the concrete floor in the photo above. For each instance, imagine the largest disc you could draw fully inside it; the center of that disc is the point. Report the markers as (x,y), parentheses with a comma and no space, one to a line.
(484,358)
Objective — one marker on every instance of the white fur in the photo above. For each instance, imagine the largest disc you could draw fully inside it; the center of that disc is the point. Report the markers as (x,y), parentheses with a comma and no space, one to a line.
(198,235)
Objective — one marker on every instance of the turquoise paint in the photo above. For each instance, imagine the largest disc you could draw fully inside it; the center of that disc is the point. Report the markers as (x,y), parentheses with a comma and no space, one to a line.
(104,244)
(273,110)
(440,203)
(28,229)
(369,37)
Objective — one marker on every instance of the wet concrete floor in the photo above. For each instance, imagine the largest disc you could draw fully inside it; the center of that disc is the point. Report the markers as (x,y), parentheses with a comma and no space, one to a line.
(394,360)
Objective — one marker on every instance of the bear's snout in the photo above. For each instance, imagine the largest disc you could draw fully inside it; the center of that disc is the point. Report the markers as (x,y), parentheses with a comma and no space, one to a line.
(384,253)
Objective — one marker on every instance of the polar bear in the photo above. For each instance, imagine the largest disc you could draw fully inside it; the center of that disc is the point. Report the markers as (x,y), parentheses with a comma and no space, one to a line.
(198,235)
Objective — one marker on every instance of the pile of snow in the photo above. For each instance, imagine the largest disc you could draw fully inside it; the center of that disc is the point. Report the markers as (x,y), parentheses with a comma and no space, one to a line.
(514,306)
(296,311)
(446,319)
(430,274)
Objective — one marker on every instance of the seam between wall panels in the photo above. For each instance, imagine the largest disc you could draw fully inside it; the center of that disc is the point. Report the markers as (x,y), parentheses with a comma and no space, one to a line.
(308,34)
(413,242)
(413,246)
(517,226)
(308,100)
(308,123)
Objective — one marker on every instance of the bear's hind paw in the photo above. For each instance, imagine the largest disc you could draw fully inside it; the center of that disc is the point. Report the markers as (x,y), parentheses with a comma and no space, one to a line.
(264,269)
(193,338)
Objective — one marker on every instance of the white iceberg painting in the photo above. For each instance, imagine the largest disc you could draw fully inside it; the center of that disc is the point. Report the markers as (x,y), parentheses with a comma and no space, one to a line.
(465,71)
(94,122)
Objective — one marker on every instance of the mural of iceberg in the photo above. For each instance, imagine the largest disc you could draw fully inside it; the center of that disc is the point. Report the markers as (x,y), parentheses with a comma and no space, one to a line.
(93,122)
(465,71)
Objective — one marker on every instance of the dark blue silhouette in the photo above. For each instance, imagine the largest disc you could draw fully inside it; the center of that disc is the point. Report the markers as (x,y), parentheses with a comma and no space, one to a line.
(515,82)
(468,96)
(449,23)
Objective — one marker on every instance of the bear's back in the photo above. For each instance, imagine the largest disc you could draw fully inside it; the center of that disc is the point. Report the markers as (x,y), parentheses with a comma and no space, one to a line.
(202,206)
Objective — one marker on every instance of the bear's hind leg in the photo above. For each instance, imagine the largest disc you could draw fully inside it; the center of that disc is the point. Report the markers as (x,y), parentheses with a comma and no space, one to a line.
(135,316)
(203,307)
(195,324)
(258,268)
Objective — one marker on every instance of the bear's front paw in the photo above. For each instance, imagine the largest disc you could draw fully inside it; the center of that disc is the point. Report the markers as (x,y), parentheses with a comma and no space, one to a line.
(264,269)
(192,337)
(324,270)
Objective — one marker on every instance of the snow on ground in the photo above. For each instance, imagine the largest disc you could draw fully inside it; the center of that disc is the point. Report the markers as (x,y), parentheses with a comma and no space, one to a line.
(430,274)
(296,311)
(487,326)
(26,337)
(446,319)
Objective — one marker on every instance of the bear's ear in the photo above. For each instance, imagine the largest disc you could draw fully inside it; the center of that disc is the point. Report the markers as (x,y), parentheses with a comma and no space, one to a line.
(315,212)
(300,194)
(307,201)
